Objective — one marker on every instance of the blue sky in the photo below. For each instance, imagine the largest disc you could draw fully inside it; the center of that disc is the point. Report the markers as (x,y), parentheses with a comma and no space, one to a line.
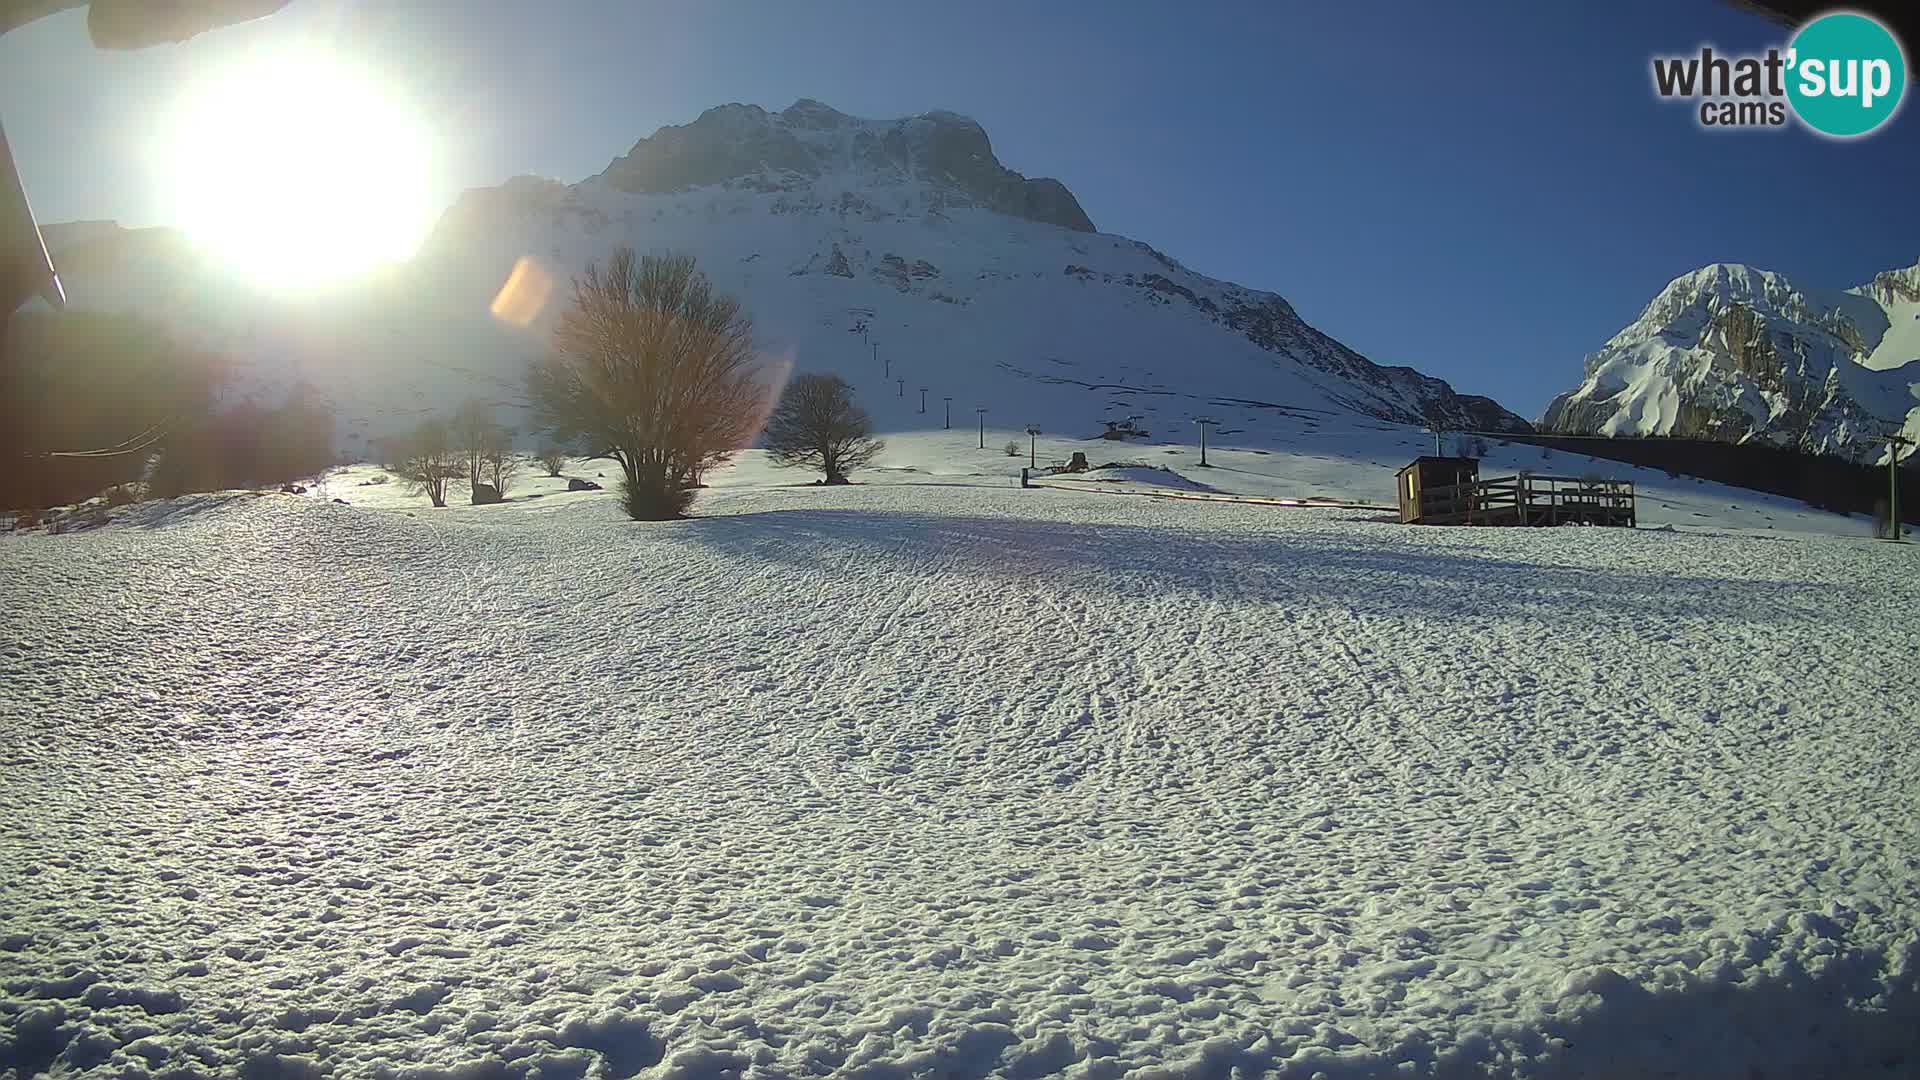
(1484,191)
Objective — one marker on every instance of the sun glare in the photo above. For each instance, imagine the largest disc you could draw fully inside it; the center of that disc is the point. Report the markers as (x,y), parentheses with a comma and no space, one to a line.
(298,169)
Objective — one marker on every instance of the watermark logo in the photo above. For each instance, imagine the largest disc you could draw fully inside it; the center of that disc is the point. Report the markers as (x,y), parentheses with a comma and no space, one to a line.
(1850,73)
(1842,75)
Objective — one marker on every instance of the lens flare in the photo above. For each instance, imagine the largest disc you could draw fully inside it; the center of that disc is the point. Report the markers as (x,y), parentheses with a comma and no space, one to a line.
(524,296)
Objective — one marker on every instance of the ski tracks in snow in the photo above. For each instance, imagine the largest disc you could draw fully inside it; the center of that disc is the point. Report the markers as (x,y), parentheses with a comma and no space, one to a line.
(914,780)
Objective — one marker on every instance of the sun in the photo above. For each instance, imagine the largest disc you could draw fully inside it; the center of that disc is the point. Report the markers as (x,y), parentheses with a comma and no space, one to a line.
(299,169)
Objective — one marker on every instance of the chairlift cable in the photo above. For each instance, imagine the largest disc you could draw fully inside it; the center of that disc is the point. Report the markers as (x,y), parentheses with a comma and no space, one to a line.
(133,445)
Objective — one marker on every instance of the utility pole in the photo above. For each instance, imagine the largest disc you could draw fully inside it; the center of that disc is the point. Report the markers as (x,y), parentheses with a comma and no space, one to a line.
(949,402)
(923,399)
(902,392)
(1203,422)
(876,356)
(983,427)
(1436,441)
(1033,443)
(1894,444)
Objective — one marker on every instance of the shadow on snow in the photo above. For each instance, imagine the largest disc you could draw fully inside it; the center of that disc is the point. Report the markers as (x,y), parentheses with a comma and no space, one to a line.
(1383,572)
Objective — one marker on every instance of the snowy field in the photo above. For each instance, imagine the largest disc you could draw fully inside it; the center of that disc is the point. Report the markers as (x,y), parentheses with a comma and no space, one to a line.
(934,776)
(1353,463)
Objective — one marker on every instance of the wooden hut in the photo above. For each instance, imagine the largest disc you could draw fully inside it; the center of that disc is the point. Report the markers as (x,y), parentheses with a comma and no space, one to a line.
(1449,491)
(1434,487)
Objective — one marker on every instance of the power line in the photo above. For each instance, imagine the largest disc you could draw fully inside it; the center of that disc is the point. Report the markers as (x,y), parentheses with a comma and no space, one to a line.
(133,445)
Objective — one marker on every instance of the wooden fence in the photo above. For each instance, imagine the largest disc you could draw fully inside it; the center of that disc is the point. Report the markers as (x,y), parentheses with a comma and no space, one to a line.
(1529,499)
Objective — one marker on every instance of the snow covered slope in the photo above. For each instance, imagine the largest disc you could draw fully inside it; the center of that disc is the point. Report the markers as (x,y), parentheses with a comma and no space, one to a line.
(1736,353)
(842,235)
(944,779)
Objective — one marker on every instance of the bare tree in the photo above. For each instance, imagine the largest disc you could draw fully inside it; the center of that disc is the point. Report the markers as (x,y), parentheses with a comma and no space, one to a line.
(553,459)
(485,448)
(652,367)
(500,467)
(695,475)
(818,425)
(426,460)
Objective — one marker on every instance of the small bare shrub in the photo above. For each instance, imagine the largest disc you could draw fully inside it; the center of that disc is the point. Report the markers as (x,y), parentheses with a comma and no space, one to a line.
(427,460)
(499,467)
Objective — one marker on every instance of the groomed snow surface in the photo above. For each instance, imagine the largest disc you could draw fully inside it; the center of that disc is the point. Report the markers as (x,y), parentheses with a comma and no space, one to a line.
(934,776)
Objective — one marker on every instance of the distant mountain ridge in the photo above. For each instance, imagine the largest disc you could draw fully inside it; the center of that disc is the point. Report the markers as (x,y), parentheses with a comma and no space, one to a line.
(1735,353)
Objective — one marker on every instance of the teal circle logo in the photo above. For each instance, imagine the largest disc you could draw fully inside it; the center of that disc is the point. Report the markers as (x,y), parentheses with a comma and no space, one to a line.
(1845,74)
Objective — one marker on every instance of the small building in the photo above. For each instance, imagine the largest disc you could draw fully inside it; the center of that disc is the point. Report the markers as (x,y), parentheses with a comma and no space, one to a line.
(1431,487)
(1449,491)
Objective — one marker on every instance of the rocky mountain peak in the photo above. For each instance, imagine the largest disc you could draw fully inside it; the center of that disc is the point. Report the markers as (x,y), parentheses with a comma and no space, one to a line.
(808,113)
(1733,352)
(809,141)
(1891,287)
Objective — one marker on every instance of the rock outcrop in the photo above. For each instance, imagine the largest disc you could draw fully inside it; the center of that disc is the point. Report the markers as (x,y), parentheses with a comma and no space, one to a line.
(749,146)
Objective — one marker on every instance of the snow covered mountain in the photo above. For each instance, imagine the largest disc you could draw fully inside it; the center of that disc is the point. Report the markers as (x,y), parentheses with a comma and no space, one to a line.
(1735,353)
(901,254)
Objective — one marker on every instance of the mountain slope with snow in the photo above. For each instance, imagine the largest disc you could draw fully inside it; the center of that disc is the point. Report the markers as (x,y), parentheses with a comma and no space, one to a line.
(884,251)
(1735,353)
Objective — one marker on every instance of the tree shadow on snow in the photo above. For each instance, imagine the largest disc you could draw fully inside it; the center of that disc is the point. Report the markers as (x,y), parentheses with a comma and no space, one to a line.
(1607,1029)
(1844,1022)
(1840,1023)
(171,512)
(1376,572)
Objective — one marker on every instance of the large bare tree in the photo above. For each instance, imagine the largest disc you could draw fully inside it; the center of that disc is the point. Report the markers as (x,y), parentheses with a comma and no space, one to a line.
(653,367)
(818,425)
